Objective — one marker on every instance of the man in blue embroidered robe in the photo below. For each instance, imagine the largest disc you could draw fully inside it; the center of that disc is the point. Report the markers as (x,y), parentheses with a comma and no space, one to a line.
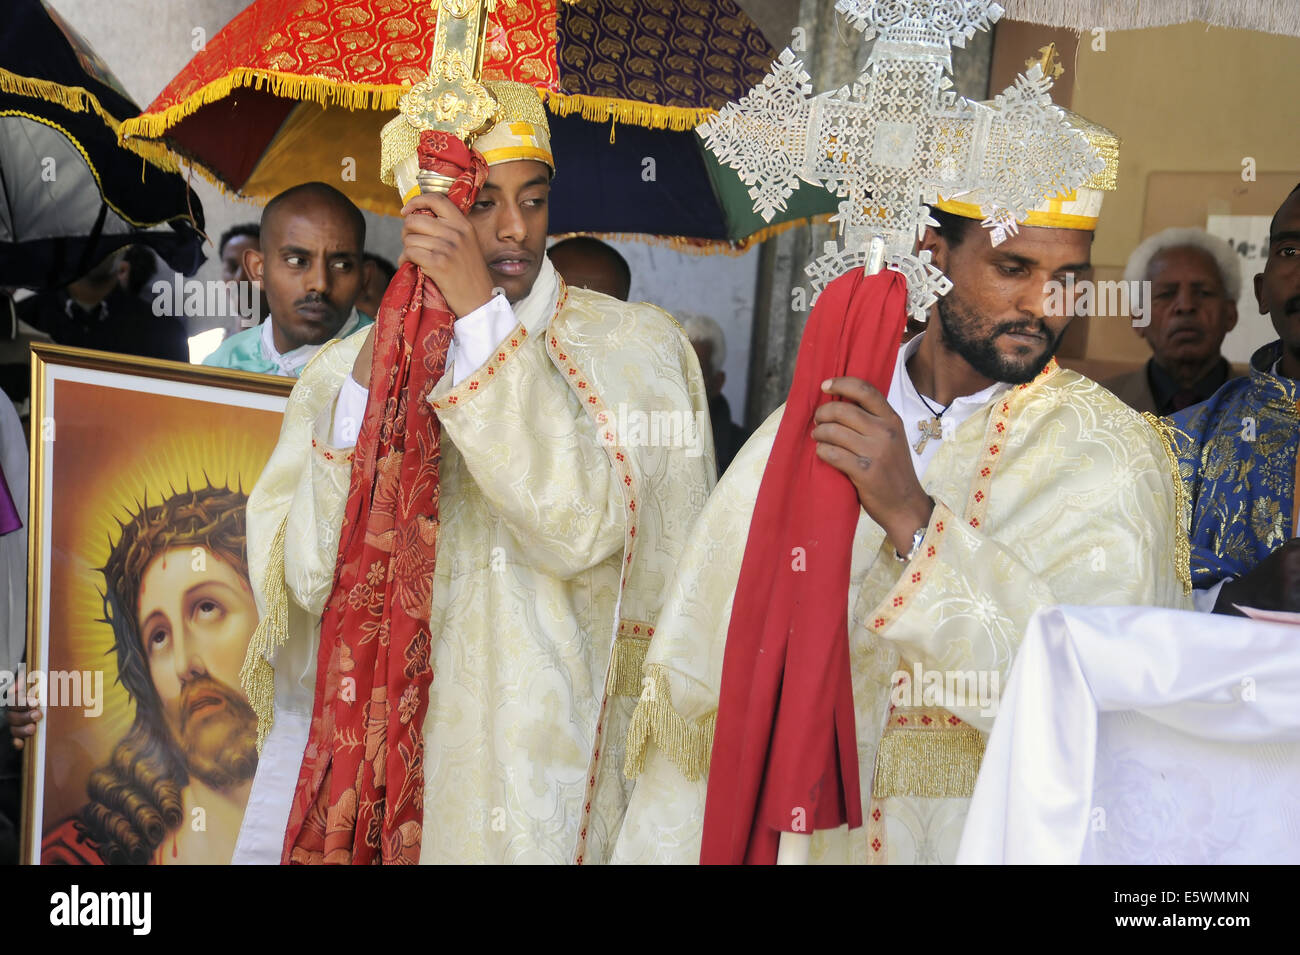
(1238,454)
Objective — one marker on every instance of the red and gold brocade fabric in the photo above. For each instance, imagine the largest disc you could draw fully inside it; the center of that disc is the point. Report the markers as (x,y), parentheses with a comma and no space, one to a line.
(375,44)
(360,793)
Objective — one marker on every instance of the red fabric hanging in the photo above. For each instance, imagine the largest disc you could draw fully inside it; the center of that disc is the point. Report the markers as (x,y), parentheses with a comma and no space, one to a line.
(360,793)
(785,745)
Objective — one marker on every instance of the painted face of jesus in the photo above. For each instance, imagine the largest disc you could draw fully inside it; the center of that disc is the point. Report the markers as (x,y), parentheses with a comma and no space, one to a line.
(196,616)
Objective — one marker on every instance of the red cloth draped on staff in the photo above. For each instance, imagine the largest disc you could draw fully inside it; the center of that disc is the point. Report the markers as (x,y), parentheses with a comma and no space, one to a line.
(360,792)
(785,744)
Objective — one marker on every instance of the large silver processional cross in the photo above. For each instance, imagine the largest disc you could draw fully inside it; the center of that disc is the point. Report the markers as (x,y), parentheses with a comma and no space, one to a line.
(898,138)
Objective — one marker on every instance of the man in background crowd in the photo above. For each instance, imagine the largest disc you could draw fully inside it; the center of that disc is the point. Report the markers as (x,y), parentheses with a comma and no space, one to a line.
(1195,279)
(136,271)
(376,273)
(711,348)
(1238,453)
(235,242)
(309,262)
(96,312)
(588,263)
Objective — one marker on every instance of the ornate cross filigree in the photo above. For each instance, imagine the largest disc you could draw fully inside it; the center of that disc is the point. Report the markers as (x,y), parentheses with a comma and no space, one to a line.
(450,99)
(898,138)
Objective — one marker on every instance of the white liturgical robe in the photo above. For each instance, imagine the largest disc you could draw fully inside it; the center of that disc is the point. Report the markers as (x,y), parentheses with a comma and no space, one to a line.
(559,530)
(1047,492)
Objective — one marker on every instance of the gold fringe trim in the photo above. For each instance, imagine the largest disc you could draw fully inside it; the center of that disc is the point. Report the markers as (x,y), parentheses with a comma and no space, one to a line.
(257,676)
(398,141)
(78,99)
(600,109)
(162,157)
(688,745)
(626,664)
(99,183)
(311,89)
(323,92)
(929,764)
(689,246)
(1182,506)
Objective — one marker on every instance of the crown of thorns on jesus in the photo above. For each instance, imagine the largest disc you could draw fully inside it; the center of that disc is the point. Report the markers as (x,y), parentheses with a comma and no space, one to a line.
(208,517)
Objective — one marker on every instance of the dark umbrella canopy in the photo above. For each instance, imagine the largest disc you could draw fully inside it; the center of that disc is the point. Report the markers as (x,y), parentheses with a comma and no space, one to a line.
(659,182)
(310,86)
(69,194)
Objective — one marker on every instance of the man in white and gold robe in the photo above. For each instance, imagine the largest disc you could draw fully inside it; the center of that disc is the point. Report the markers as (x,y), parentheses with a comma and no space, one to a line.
(575,457)
(992,483)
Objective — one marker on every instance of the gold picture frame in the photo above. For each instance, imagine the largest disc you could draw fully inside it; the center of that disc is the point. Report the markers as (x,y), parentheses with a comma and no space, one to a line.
(135,463)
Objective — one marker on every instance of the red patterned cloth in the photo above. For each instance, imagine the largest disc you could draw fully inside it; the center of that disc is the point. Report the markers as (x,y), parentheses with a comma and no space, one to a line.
(360,793)
(785,744)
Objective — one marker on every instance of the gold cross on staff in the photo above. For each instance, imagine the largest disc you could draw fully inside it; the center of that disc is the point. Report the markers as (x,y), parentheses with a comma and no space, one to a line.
(450,99)
(930,427)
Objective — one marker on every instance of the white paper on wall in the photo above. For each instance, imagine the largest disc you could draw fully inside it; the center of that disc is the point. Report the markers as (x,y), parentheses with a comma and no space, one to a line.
(1248,236)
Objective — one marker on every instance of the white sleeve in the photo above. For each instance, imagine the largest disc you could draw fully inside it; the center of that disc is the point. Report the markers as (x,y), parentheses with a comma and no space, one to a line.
(1204,600)
(474,337)
(348,413)
(477,335)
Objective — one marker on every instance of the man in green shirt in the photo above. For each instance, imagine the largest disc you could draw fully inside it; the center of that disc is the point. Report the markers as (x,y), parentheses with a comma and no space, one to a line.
(310,267)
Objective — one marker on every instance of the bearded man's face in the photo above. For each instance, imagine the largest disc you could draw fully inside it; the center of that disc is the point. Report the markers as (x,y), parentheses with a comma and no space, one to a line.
(197,615)
(999,316)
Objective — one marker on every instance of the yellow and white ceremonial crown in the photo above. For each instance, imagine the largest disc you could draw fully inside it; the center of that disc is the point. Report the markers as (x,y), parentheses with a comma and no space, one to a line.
(1078,209)
(519,130)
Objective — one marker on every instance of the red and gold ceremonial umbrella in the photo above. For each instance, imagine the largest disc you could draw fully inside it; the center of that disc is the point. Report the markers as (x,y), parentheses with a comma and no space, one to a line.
(298,90)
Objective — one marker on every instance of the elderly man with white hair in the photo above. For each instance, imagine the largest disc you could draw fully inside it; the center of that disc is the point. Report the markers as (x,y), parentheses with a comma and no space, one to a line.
(1195,280)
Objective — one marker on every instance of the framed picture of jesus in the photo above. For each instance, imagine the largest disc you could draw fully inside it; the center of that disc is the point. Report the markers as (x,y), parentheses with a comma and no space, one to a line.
(140,609)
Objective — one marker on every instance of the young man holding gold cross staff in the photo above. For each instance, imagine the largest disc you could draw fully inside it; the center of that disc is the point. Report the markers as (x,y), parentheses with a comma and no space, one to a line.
(457,563)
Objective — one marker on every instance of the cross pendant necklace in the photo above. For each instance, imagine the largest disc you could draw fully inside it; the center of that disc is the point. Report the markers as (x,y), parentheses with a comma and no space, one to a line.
(930,427)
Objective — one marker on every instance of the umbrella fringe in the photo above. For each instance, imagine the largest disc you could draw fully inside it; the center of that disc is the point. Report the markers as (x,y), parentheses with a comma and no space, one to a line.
(692,246)
(143,134)
(77,99)
(180,164)
(1268,16)
(630,112)
(311,89)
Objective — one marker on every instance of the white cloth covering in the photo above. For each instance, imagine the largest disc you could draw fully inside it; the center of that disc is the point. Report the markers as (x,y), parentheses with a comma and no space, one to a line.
(1142,735)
